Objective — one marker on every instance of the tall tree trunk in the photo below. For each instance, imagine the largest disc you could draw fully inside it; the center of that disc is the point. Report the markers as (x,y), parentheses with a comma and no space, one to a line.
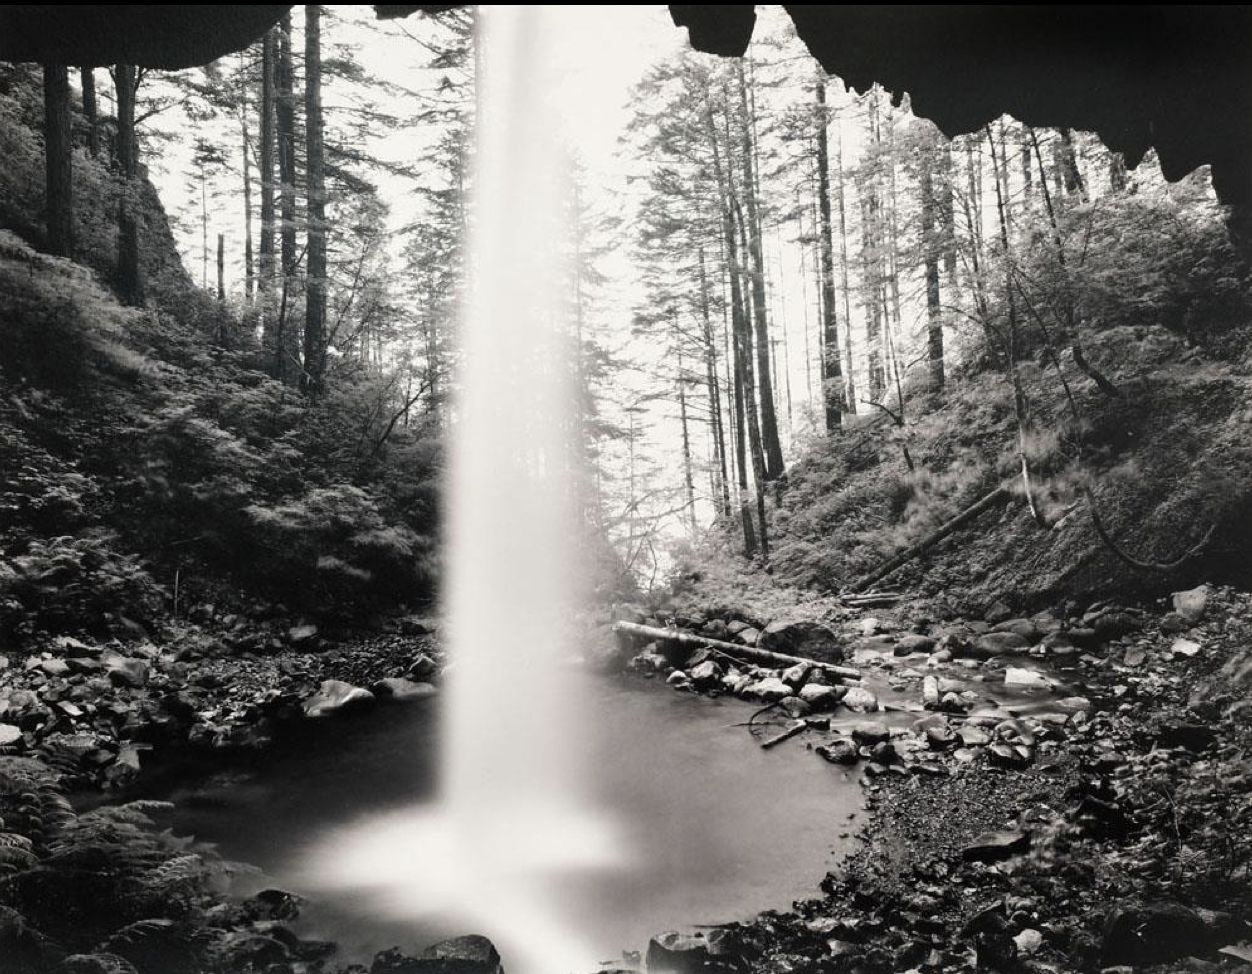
(930,252)
(58,160)
(285,117)
(249,265)
(315,292)
(1070,173)
(87,78)
(1020,408)
(760,312)
(849,372)
(715,397)
(265,158)
(688,474)
(832,373)
(742,360)
(129,268)
(221,268)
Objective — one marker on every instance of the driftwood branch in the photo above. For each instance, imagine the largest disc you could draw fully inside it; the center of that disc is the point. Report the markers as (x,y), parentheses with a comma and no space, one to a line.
(984,503)
(790,731)
(1129,559)
(735,651)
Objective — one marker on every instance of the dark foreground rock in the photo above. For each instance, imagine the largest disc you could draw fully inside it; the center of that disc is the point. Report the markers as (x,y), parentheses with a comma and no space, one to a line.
(470,954)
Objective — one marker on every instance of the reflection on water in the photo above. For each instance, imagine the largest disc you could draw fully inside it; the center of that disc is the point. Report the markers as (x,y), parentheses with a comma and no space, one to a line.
(715,828)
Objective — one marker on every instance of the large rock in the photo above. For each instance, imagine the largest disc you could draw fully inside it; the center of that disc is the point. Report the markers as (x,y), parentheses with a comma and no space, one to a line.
(401,690)
(706,675)
(1154,933)
(840,750)
(800,637)
(464,955)
(819,697)
(1025,628)
(994,846)
(870,732)
(998,643)
(860,700)
(1193,603)
(913,643)
(125,671)
(770,690)
(679,953)
(335,697)
(9,734)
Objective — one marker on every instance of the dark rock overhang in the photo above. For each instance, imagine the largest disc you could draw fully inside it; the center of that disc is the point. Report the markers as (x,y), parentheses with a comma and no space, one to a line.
(1171,77)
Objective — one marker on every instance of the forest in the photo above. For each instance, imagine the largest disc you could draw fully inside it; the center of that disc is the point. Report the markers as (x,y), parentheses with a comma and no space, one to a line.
(922,458)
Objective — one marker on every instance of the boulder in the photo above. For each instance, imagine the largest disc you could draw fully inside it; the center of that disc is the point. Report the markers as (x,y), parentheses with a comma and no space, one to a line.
(819,697)
(796,676)
(706,675)
(748,636)
(422,669)
(769,690)
(303,637)
(679,953)
(997,612)
(464,955)
(870,732)
(801,637)
(839,750)
(994,846)
(913,643)
(795,706)
(401,690)
(335,697)
(1184,648)
(125,671)
(649,661)
(1192,604)
(9,734)
(860,700)
(1025,628)
(1143,934)
(1016,676)
(678,679)
(998,643)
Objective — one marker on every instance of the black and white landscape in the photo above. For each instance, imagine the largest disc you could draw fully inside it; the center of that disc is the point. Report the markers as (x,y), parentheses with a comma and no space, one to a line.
(617,488)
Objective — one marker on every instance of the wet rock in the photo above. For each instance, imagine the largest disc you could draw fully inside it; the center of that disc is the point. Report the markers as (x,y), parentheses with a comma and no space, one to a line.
(884,753)
(819,697)
(997,612)
(1192,604)
(769,690)
(1025,628)
(302,637)
(795,707)
(801,637)
(870,732)
(914,643)
(463,955)
(401,690)
(335,697)
(1153,933)
(796,676)
(998,643)
(940,737)
(1172,623)
(678,679)
(422,669)
(860,700)
(1016,676)
(1184,648)
(706,675)
(994,846)
(678,953)
(126,671)
(839,751)
(9,734)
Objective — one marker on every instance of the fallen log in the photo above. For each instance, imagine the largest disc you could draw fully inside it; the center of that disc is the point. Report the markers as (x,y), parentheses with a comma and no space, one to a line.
(733,650)
(791,730)
(1001,493)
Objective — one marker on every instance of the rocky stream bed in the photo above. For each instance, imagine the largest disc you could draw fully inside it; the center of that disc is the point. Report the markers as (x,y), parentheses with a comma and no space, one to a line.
(1065,792)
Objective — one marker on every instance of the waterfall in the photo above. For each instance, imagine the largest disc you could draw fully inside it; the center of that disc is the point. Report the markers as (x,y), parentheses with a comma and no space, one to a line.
(514,816)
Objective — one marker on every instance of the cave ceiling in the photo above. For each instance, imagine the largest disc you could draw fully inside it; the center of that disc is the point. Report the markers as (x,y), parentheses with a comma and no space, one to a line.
(1171,77)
